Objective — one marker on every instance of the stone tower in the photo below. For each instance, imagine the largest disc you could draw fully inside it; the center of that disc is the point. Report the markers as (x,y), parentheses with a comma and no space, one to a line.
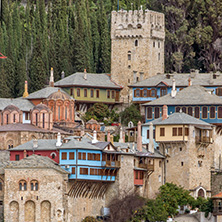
(137,47)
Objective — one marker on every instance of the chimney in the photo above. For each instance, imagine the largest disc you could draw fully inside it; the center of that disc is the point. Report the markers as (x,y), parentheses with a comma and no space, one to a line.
(35,143)
(94,137)
(174,91)
(111,139)
(121,135)
(59,141)
(85,74)
(25,94)
(108,136)
(62,75)
(164,112)
(192,73)
(151,144)
(189,82)
(25,154)
(139,137)
(51,81)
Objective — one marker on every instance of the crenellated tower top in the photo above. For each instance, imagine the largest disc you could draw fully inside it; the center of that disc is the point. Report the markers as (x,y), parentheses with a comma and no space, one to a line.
(137,23)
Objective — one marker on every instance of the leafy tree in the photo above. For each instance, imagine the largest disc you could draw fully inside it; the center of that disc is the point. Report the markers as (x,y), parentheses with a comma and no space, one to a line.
(90,219)
(173,196)
(131,113)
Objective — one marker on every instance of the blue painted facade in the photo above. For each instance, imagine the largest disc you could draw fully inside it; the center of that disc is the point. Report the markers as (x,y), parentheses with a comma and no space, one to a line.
(84,168)
(140,97)
(216,119)
(145,140)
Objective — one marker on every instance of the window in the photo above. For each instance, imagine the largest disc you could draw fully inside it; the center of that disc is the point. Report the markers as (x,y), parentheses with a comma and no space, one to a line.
(27,116)
(177,109)
(190,111)
(174,131)
(204,112)
(71,92)
(219,112)
(71,156)
(73,170)
(160,163)
(197,112)
(59,109)
(212,112)
(153,93)
(158,44)
(97,93)
(22,185)
(108,94)
(186,131)
(200,163)
(94,156)
(159,178)
(85,92)
(64,156)
(36,119)
(159,56)
(113,94)
(184,109)
(129,55)
(180,131)
(7,118)
(156,112)
(82,156)
(153,44)
(78,92)
(92,93)
(149,113)
(137,93)
(53,156)
(84,171)
(163,91)
(181,149)
(136,42)
(1,186)
(43,120)
(34,185)
(148,134)
(145,93)
(17,157)
(95,171)
(219,91)
(13,118)
(181,163)
(162,131)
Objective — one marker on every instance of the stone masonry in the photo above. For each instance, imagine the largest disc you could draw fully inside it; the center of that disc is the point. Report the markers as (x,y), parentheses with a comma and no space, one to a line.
(137,39)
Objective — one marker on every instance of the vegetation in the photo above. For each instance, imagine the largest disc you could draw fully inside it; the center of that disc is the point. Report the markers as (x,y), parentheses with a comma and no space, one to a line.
(71,35)
(131,113)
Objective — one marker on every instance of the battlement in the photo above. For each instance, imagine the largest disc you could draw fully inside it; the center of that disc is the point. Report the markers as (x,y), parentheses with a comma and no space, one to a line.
(137,18)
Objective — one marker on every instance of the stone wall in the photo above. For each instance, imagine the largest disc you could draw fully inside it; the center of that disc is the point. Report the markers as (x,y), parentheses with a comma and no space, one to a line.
(29,205)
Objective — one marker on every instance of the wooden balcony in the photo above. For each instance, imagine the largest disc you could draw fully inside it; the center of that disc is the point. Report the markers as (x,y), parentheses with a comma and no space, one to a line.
(111,164)
(149,167)
(203,139)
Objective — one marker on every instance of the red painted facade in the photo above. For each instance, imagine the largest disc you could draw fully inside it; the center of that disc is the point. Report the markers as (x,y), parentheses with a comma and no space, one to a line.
(52,154)
(138,177)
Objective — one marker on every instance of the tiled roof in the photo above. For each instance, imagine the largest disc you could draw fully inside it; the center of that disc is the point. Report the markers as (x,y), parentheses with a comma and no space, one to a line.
(219,195)
(35,161)
(22,103)
(180,119)
(92,80)
(192,95)
(44,93)
(203,79)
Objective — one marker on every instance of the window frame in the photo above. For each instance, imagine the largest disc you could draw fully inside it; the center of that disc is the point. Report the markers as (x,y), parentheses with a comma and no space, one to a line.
(204,112)
(64,156)
(97,93)
(149,111)
(213,112)
(162,131)
(78,92)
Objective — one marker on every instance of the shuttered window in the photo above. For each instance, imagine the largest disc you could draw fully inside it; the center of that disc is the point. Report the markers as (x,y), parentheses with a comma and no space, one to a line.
(149,112)
(219,112)
(186,131)
(84,171)
(64,156)
(82,156)
(94,156)
(71,156)
(73,170)
(204,112)
(156,112)
(174,131)
(197,112)
(162,131)
(212,112)
(180,131)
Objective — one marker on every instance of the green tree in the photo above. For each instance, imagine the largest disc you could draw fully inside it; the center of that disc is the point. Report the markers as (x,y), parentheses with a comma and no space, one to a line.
(131,113)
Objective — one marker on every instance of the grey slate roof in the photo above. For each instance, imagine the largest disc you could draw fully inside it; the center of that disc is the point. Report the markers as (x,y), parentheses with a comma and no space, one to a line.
(22,103)
(180,119)
(35,161)
(192,95)
(203,79)
(44,93)
(146,153)
(47,144)
(93,80)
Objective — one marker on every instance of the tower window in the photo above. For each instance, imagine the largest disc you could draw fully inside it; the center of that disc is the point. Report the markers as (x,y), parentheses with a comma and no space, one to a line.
(153,44)
(158,44)
(129,55)
(158,56)
(136,42)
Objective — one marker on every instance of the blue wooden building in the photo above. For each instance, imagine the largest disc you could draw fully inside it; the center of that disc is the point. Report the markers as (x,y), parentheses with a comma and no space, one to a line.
(161,84)
(194,100)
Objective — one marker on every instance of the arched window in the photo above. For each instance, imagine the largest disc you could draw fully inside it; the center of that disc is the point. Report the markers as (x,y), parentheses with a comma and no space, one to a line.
(43,120)
(197,112)
(190,111)
(53,156)
(22,185)
(139,26)
(219,112)
(136,42)
(204,112)
(34,185)
(201,193)
(212,112)
(36,119)
(129,55)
